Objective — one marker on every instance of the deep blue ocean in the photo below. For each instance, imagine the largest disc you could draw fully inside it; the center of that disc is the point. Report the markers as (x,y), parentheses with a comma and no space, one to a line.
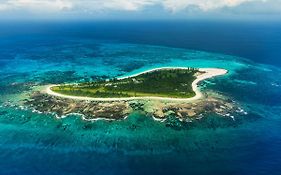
(34,54)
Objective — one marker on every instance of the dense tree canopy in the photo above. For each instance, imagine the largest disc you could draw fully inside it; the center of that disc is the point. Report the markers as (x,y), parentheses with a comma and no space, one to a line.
(159,83)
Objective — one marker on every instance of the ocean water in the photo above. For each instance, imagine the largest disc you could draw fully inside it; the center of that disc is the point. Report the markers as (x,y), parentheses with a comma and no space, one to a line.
(33,55)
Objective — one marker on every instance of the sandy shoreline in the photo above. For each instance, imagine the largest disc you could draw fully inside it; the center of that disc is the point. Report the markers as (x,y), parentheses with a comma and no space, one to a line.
(209,73)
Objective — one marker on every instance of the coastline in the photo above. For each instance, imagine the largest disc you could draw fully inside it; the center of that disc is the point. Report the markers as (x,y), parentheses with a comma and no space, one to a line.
(209,73)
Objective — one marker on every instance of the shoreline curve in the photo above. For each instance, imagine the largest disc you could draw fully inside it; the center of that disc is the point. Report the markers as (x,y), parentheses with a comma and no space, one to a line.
(209,73)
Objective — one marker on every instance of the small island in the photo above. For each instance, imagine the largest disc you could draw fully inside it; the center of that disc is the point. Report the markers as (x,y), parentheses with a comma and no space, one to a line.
(160,83)
(160,93)
(173,83)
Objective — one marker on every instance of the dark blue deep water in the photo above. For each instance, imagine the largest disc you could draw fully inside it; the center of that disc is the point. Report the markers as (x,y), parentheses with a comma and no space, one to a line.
(34,54)
(256,40)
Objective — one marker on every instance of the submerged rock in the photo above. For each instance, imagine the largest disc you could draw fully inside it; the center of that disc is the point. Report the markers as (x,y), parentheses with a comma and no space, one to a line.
(89,109)
(160,110)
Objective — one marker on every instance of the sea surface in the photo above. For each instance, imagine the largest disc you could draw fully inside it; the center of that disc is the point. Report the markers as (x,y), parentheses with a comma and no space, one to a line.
(34,54)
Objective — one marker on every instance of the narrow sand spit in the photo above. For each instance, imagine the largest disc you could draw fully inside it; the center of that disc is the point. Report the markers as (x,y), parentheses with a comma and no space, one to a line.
(208,73)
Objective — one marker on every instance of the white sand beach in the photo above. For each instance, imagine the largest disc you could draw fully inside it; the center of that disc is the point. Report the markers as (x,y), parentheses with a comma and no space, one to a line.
(208,73)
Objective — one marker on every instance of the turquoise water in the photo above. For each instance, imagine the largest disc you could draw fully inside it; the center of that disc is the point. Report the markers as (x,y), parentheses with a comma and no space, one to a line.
(32,143)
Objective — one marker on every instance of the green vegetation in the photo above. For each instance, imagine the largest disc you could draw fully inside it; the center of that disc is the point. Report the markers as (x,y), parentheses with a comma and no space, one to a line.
(175,83)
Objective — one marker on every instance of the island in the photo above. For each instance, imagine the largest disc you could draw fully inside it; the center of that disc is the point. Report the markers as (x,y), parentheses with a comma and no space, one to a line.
(160,93)
(165,83)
